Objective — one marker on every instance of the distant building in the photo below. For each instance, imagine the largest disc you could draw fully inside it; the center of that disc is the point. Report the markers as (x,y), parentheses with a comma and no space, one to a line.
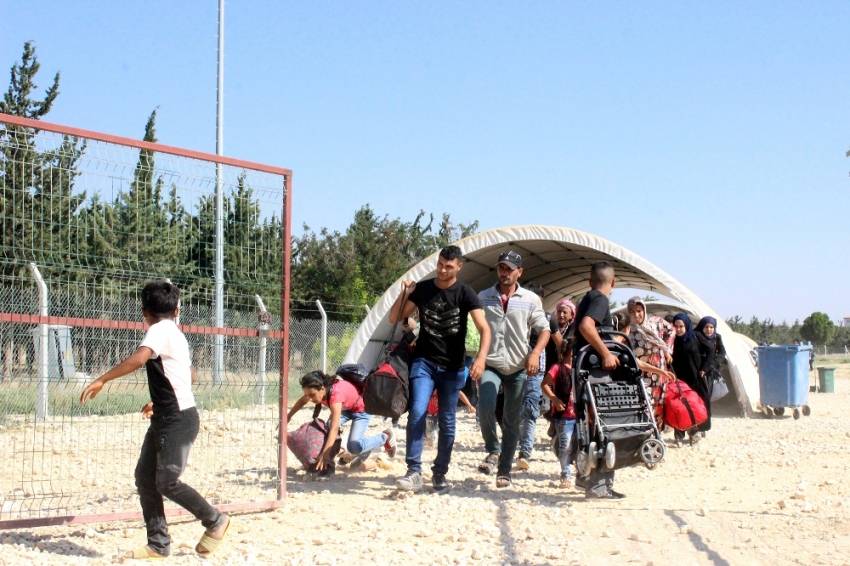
(846,321)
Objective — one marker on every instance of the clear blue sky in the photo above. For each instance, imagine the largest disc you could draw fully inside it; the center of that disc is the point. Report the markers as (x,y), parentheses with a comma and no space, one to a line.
(707,137)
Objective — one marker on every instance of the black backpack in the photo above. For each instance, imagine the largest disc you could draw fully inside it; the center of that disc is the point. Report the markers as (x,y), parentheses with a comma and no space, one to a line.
(387,389)
(355,374)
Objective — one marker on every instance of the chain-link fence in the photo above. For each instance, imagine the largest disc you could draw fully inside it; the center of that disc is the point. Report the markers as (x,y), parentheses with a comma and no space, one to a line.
(85,220)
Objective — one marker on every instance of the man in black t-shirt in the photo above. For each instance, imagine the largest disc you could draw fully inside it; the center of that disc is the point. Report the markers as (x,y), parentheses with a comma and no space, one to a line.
(443,303)
(593,315)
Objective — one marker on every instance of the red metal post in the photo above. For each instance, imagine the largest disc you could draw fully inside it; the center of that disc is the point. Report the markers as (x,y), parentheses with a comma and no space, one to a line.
(162,148)
(286,216)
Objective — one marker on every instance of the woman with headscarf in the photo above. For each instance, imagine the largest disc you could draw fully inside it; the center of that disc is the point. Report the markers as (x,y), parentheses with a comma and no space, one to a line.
(559,324)
(652,339)
(687,360)
(712,353)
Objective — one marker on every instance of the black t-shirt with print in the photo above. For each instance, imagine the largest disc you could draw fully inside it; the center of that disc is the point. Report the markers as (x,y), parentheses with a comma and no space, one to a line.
(595,305)
(442,321)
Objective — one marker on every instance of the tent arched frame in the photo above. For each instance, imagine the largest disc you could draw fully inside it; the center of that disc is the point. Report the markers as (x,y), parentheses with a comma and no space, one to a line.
(560,260)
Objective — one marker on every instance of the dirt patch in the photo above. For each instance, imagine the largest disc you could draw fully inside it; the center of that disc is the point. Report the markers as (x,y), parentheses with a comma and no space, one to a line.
(756,491)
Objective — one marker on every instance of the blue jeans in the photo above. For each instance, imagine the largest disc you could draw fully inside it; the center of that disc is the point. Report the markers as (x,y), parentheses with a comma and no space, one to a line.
(565,428)
(425,376)
(358,444)
(530,413)
(514,389)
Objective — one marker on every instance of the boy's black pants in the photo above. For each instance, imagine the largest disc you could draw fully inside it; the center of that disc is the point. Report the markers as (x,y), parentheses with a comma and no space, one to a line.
(161,462)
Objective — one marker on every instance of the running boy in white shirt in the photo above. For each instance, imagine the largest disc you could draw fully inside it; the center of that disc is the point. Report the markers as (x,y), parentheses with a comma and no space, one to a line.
(164,353)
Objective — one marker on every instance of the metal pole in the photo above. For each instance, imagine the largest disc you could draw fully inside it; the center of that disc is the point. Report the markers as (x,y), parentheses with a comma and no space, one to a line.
(261,372)
(283,398)
(44,334)
(324,336)
(218,364)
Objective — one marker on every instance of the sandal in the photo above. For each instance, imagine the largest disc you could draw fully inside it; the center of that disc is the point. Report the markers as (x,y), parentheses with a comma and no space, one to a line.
(489,465)
(503,481)
(207,545)
(142,553)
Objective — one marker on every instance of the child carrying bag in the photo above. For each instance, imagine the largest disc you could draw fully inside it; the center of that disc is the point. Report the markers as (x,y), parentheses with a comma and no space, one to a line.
(306,443)
(683,408)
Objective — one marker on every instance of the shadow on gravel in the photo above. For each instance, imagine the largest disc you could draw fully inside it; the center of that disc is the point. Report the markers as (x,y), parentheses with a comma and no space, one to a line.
(697,541)
(62,546)
(508,540)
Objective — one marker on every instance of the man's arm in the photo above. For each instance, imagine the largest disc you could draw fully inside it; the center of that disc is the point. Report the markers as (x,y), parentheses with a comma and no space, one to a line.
(133,362)
(539,322)
(588,330)
(407,288)
(477,367)
(532,363)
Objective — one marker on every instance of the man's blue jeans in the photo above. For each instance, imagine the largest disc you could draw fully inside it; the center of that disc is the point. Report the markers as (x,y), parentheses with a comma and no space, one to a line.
(514,388)
(358,444)
(530,413)
(426,376)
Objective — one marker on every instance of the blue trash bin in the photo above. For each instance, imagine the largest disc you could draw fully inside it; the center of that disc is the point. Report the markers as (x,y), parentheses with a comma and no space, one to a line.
(784,379)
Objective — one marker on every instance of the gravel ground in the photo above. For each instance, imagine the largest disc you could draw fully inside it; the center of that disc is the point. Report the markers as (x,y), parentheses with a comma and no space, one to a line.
(756,491)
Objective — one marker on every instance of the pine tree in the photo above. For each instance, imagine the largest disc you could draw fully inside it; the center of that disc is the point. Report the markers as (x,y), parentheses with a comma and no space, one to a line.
(142,218)
(37,202)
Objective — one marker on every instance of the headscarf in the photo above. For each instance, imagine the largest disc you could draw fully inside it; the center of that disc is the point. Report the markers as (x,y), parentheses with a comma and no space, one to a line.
(566,303)
(688,327)
(706,320)
(645,330)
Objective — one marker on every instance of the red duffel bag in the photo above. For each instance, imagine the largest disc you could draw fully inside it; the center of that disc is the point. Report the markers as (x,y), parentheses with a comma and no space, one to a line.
(683,408)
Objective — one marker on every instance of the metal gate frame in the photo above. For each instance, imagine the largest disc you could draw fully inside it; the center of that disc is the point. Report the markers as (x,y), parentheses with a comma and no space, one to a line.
(282,334)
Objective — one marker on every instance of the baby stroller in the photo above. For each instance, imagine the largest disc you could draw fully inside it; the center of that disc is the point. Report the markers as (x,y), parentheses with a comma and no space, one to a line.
(614,423)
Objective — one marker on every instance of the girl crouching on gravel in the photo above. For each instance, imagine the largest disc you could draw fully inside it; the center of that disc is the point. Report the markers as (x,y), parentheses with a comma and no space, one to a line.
(346,404)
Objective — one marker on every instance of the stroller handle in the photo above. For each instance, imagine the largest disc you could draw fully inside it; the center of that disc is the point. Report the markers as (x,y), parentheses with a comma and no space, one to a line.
(618,333)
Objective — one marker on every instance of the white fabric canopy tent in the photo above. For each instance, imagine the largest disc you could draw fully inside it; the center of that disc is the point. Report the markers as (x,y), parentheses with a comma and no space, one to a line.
(559,259)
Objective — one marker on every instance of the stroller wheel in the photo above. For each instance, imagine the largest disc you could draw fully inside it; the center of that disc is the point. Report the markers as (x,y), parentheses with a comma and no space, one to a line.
(796,413)
(779,411)
(652,451)
(591,456)
(610,456)
(767,412)
(581,463)
(806,410)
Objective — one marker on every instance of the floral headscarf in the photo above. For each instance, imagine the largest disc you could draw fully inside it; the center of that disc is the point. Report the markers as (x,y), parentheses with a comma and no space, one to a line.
(645,330)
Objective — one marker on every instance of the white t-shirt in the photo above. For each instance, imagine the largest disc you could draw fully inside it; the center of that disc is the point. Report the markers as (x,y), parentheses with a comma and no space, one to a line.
(169,373)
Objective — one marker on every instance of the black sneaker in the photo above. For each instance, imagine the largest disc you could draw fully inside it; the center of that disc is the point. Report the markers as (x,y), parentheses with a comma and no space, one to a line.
(610,494)
(440,484)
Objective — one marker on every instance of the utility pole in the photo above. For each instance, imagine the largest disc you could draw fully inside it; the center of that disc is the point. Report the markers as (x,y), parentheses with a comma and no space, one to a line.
(218,363)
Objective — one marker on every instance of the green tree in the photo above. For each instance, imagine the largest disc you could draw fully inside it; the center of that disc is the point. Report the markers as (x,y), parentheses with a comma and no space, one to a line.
(818,329)
(38,206)
(351,269)
(144,242)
